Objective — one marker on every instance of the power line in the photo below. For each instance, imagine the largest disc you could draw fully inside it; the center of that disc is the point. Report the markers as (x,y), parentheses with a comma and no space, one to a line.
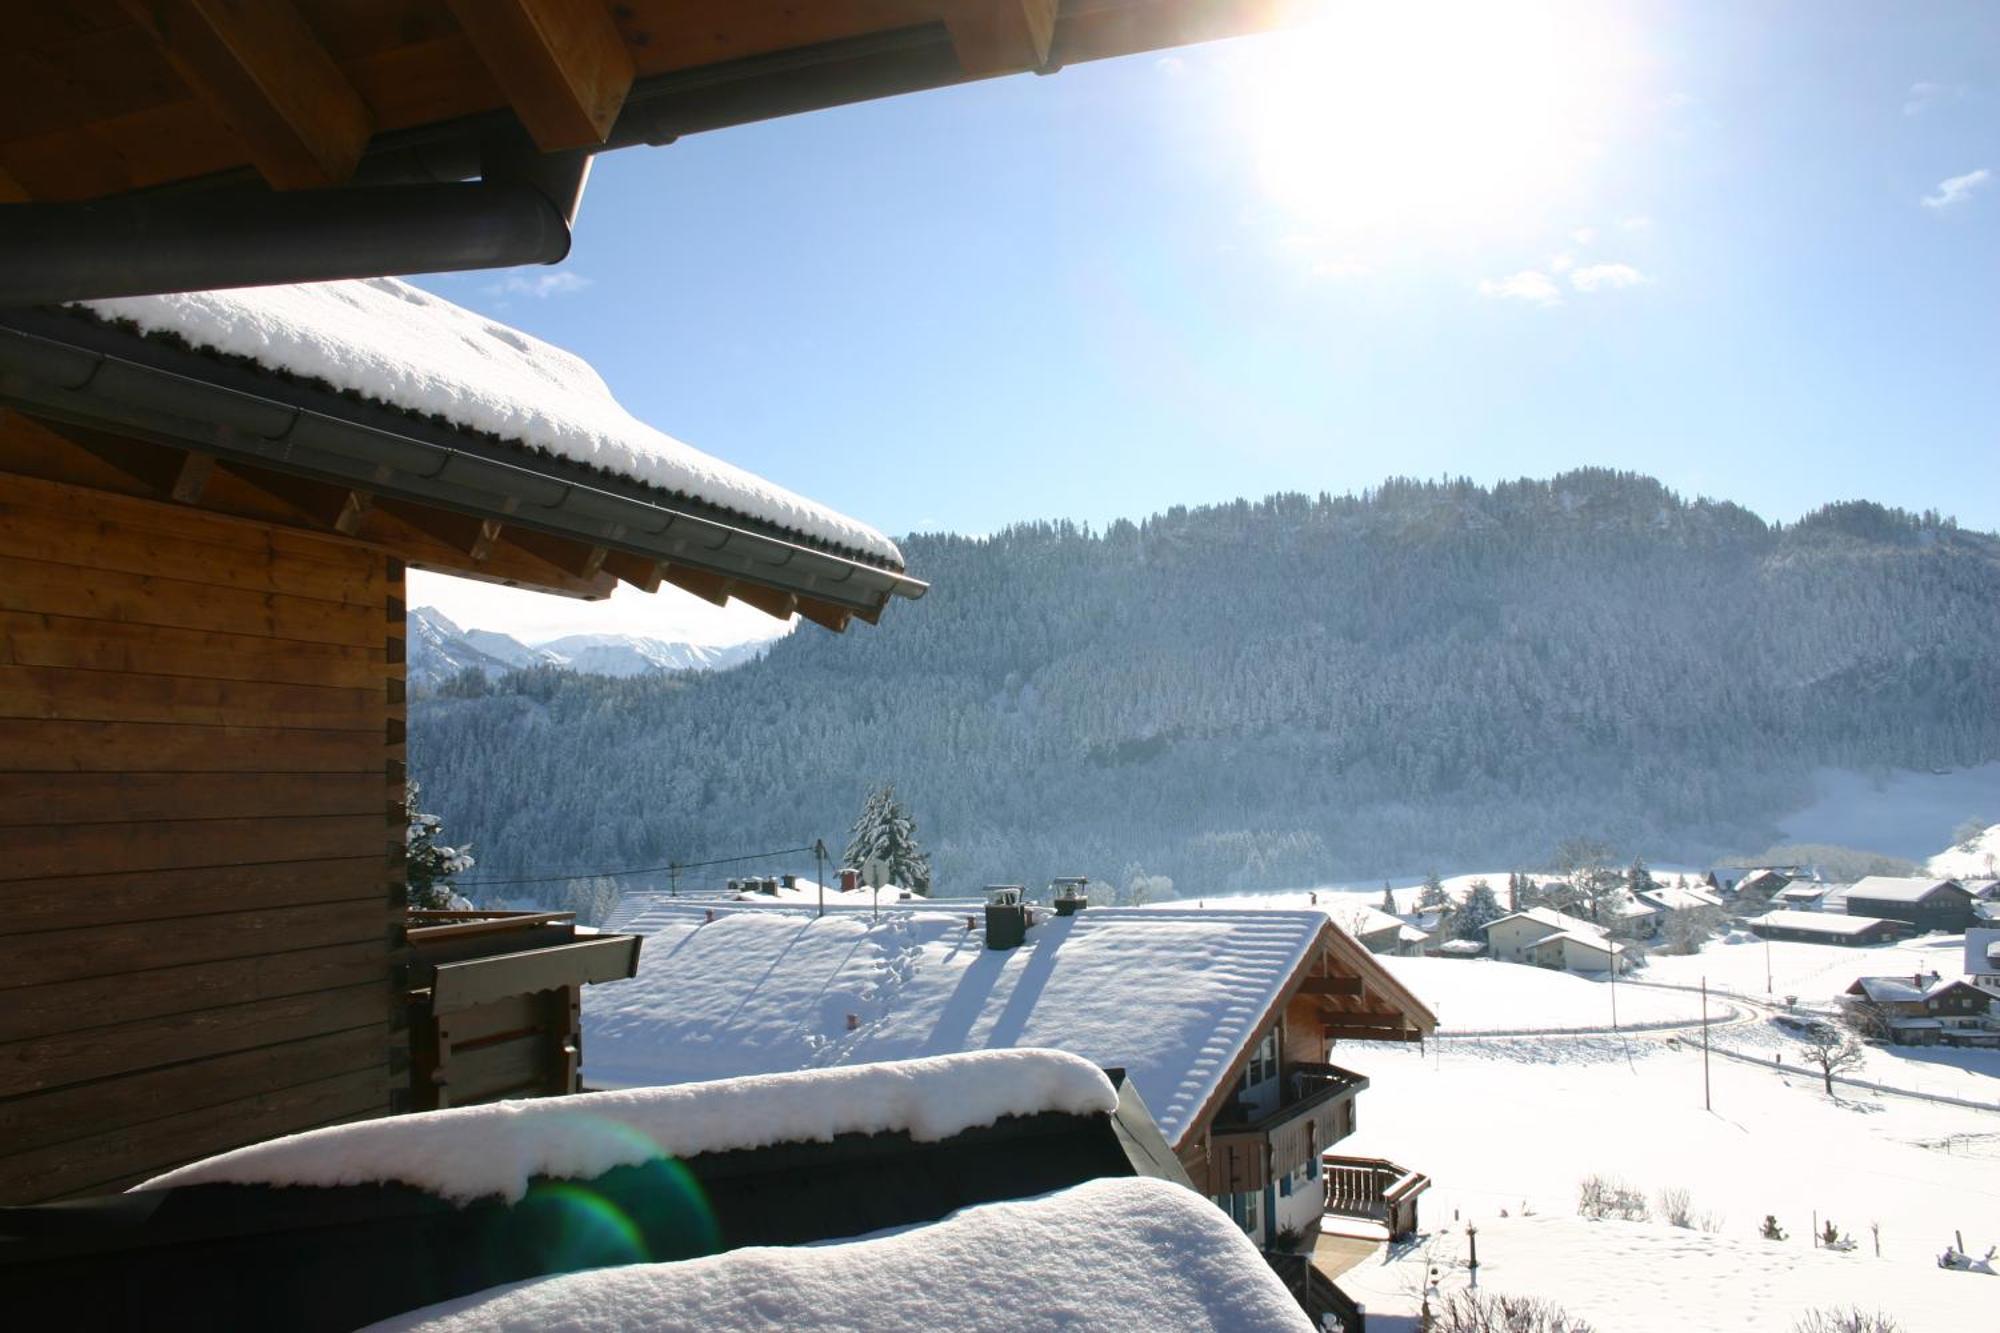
(671,866)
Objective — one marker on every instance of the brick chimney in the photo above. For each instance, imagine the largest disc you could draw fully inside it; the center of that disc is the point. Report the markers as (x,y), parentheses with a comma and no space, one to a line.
(1072,894)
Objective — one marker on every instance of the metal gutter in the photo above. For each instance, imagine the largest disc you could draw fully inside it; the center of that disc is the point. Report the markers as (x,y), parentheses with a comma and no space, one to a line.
(325,441)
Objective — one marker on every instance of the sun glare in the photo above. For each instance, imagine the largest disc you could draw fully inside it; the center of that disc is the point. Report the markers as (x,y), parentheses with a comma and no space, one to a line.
(1380,124)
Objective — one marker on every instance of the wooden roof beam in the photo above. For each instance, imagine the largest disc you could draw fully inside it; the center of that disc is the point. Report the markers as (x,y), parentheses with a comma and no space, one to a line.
(562,63)
(1001,36)
(637,570)
(261,68)
(570,556)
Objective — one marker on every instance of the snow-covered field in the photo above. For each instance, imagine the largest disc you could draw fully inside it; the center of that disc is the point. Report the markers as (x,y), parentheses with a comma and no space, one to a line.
(1815,973)
(1480,995)
(1503,1123)
(1639,1277)
(1979,861)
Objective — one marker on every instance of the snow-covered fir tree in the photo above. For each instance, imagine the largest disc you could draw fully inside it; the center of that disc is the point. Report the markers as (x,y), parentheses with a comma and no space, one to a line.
(885,830)
(430,865)
(1480,910)
(1433,894)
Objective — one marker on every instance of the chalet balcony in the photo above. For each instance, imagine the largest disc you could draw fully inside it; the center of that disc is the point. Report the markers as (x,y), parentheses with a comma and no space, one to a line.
(1303,1089)
(1373,1189)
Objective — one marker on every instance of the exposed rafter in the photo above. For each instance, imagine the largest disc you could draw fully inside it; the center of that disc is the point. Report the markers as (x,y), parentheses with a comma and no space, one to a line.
(562,64)
(261,68)
(1001,36)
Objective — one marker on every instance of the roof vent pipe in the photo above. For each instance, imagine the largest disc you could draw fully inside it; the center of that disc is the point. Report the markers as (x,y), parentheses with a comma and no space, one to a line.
(1006,916)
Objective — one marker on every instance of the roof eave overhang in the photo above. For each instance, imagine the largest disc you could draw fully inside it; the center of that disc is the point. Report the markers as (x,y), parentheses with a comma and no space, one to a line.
(92,386)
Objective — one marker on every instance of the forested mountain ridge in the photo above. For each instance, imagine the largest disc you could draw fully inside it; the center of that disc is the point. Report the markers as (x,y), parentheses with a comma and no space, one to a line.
(1277,692)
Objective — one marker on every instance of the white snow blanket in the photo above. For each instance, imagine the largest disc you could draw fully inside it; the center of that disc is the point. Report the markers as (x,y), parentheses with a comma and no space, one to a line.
(476,1152)
(1135,1254)
(1640,1277)
(1171,997)
(398,345)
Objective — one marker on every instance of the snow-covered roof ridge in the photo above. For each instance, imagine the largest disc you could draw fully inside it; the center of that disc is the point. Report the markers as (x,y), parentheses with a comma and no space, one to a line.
(1554,920)
(1897,888)
(476,1152)
(1126,1253)
(1825,923)
(400,346)
(1174,997)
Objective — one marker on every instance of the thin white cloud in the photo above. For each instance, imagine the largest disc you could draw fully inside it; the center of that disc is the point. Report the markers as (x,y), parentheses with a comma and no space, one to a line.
(1605,277)
(1925,94)
(561,282)
(1530,284)
(1562,263)
(1172,66)
(1957,189)
(1639,222)
(1584,235)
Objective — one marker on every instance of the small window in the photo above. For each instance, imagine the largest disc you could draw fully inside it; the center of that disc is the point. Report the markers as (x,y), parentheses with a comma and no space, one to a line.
(1285,1186)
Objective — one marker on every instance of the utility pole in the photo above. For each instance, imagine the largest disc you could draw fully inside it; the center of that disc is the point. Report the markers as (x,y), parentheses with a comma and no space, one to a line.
(1706,1104)
(1613,945)
(1767,967)
(819,871)
(674,880)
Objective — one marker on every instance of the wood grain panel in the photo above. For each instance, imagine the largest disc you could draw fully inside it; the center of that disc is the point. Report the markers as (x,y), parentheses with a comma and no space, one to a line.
(177,901)
(70,1006)
(56,589)
(139,1152)
(103,798)
(37,852)
(115,747)
(48,957)
(105,1052)
(54,694)
(68,1114)
(43,640)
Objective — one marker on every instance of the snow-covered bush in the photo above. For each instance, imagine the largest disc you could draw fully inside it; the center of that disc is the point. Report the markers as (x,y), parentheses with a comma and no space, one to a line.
(1771,1230)
(1600,1197)
(1468,1311)
(1676,1206)
(1853,1319)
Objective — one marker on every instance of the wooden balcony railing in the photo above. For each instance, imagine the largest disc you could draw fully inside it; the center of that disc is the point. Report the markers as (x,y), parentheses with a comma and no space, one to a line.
(1373,1189)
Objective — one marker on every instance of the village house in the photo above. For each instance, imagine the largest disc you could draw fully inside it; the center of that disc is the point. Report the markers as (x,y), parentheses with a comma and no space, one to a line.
(1825,928)
(1926,904)
(1803,895)
(1544,937)
(1922,1010)
(211,499)
(1672,898)
(1378,931)
(1226,1022)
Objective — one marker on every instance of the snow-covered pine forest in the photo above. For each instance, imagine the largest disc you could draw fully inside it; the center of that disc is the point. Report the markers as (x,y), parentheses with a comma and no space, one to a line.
(1282,692)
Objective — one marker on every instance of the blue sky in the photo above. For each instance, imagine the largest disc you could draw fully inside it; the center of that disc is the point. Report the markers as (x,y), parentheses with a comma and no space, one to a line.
(1753,250)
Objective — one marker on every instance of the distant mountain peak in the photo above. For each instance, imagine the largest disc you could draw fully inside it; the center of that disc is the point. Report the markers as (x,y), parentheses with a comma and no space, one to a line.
(440,649)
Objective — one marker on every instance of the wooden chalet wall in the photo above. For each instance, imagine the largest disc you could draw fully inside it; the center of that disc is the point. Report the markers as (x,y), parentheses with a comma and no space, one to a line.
(201,767)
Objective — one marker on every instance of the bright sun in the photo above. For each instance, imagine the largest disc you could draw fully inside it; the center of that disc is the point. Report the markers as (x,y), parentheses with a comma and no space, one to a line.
(1429,123)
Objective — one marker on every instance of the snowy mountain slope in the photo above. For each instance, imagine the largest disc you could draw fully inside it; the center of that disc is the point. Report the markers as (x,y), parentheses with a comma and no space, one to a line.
(439,649)
(628,655)
(1979,861)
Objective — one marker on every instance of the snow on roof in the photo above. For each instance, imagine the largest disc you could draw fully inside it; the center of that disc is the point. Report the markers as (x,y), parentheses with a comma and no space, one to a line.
(1888,990)
(1587,941)
(474,1152)
(1823,923)
(1553,920)
(1132,1253)
(1628,906)
(1360,919)
(1804,891)
(400,346)
(1171,996)
(1897,888)
(1673,898)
